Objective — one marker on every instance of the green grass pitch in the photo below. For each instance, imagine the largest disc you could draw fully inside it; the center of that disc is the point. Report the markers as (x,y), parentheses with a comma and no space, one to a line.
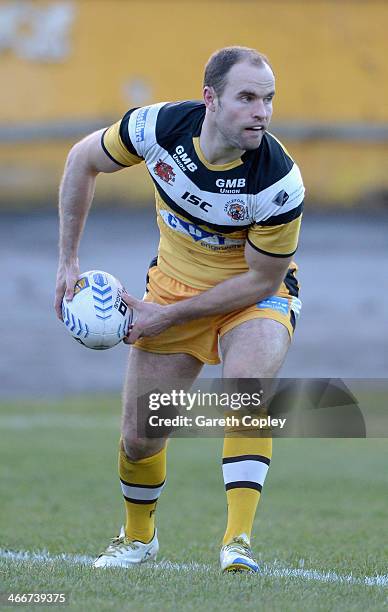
(324,509)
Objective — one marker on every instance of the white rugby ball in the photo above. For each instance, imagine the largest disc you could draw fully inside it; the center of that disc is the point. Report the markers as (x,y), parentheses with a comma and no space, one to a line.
(97,317)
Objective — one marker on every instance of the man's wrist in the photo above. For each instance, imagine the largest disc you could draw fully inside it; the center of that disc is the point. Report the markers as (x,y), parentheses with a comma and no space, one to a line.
(171,314)
(68,260)
(187,310)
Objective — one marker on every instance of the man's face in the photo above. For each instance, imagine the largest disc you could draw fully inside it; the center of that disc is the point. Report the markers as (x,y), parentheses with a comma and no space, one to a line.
(244,109)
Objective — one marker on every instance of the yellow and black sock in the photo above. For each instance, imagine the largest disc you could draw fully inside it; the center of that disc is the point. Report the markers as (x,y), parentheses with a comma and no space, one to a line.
(142,482)
(245,463)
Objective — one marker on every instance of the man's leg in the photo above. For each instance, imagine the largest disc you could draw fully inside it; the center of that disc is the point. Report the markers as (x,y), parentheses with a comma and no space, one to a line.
(142,461)
(254,349)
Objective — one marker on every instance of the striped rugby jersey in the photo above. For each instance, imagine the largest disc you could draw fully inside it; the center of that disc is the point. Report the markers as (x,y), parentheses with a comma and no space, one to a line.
(207,212)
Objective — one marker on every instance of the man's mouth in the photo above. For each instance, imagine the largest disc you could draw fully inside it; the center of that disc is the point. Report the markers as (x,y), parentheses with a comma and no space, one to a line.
(256,128)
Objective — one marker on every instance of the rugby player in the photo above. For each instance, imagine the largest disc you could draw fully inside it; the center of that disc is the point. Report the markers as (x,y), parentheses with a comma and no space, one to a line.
(229,202)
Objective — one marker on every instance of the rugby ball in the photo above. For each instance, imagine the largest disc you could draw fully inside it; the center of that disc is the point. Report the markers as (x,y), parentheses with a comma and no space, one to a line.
(97,317)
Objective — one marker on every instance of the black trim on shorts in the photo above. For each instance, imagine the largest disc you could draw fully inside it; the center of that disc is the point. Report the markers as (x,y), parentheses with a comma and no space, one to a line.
(153,263)
(293,319)
(291,282)
(292,286)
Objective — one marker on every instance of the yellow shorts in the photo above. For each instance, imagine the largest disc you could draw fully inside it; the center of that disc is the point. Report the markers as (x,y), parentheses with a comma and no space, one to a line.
(199,338)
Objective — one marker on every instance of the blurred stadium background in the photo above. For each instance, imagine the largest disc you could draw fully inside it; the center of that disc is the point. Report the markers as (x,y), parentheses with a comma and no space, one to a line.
(71,66)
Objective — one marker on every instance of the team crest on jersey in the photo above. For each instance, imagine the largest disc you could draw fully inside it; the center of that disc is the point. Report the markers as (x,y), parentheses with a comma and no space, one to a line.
(164,171)
(237,210)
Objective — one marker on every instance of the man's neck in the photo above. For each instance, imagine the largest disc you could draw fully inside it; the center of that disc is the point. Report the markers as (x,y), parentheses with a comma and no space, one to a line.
(213,146)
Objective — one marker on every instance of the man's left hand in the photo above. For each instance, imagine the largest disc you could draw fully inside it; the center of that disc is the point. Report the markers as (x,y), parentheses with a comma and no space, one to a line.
(151,319)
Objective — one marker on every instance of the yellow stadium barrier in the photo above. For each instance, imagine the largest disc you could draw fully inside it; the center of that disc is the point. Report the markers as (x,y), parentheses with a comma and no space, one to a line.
(72,65)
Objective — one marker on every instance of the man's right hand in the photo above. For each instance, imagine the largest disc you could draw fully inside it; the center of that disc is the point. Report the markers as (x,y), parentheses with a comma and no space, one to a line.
(67,276)
(85,161)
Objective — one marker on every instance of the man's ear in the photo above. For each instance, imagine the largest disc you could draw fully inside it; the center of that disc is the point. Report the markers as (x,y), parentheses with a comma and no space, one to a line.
(210,97)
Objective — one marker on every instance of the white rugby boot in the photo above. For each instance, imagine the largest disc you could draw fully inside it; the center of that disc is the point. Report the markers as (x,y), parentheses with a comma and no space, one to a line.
(237,556)
(123,552)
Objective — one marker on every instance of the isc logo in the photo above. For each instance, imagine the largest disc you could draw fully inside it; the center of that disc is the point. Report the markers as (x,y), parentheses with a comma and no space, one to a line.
(196,200)
(231,183)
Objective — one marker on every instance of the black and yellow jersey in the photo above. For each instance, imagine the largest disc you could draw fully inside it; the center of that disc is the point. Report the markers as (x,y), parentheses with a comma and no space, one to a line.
(207,212)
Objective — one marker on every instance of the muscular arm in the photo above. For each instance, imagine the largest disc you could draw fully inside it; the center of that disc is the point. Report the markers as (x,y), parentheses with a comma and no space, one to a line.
(263,279)
(85,161)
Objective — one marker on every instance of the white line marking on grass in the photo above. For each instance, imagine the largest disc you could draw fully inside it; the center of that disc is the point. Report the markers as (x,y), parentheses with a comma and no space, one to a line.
(44,420)
(43,557)
(46,557)
(274,570)
(288,572)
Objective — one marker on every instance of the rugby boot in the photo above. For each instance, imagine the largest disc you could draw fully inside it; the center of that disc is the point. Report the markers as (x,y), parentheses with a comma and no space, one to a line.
(123,552)
(237,556)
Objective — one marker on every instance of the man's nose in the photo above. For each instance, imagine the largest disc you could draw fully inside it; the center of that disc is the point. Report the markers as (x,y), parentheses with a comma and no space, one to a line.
(259,110)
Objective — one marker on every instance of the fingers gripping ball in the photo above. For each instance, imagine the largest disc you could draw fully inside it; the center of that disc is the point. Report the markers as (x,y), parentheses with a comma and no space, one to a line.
(97,317)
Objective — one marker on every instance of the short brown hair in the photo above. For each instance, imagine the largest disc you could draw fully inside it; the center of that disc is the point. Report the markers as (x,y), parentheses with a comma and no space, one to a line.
(219,64)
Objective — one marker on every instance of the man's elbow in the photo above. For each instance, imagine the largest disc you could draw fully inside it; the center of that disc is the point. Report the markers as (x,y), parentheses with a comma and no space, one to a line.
(75,156)
(270,288)
(268,285)
(78,159)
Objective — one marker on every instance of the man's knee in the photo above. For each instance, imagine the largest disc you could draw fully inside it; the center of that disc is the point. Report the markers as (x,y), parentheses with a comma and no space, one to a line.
(140,448)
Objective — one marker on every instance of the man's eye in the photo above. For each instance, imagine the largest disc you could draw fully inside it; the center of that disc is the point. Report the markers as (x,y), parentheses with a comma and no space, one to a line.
(268,100)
